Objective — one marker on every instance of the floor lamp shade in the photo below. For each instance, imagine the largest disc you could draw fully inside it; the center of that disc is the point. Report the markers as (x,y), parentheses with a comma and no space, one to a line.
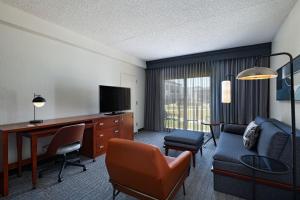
(226,91)
(257,73)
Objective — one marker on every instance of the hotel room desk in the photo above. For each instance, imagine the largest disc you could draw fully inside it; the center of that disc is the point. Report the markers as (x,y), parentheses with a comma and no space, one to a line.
(99,129)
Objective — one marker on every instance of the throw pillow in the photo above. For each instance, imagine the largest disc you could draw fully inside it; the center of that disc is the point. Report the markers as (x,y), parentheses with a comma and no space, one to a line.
(251,135)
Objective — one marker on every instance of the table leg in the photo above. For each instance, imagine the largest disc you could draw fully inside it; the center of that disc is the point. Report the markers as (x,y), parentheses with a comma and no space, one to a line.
(4,182)
(213,134)
(34,160)
(20,153)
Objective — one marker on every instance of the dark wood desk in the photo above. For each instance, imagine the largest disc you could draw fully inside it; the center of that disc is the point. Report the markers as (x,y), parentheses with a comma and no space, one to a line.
(99,129)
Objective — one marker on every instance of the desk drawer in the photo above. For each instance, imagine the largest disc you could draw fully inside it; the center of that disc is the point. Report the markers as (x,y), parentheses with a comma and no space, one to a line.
(108,123)
(100,149)
(103,136)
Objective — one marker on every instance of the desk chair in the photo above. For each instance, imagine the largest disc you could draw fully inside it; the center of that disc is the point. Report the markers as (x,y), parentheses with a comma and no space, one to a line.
(66,140)
(140,170)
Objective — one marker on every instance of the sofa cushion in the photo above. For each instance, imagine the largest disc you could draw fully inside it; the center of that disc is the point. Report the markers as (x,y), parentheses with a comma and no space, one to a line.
(231,148)
(234,128)
(272,140)
(259,120)
(185,137)
(250,136)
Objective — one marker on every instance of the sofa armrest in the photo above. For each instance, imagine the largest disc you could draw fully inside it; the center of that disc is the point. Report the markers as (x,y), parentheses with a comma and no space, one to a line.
(238,129)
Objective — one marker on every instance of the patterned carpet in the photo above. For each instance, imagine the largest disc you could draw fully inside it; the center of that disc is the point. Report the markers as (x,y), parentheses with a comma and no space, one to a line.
(93,184)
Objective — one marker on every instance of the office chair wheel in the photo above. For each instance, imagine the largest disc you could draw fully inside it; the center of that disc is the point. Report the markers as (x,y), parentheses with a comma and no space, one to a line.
(60,180)
(84,169)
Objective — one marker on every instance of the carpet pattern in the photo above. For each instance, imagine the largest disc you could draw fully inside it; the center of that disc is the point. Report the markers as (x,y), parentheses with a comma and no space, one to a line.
(93,184)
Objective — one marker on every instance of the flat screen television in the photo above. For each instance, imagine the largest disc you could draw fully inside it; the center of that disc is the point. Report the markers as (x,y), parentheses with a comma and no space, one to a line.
(114,100)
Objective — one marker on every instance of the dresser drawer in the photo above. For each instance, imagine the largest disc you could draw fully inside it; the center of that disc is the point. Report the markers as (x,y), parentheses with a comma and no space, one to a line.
(108,123)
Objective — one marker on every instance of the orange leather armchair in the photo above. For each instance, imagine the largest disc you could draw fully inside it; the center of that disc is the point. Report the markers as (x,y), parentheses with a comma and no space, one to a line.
(140,170)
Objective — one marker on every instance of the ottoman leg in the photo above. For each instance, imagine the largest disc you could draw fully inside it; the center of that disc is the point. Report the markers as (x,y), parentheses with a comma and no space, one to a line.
(166,151)
(194,159)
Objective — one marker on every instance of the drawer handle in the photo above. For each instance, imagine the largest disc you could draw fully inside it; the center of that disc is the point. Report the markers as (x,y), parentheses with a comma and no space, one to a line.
(101,135)
(116,121)
(101,124)
(101,147)
(116,131)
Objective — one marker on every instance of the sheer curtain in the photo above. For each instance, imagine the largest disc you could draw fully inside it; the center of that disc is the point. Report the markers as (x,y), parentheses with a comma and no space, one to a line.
(183,91)
(181,96)
(185,96)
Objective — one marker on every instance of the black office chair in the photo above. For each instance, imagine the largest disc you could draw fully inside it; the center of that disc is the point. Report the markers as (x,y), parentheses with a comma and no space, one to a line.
(66,140)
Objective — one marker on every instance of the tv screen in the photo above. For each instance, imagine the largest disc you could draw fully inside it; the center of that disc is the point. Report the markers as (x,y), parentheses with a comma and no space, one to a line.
(114,99)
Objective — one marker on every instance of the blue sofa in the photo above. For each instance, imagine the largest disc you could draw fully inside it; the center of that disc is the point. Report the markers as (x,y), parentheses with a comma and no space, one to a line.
(231,177)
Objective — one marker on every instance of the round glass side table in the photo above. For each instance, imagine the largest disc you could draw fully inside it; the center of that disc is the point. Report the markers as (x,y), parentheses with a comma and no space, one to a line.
(263,164)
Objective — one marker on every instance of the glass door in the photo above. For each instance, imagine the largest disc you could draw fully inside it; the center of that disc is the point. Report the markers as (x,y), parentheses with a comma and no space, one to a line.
(187,103)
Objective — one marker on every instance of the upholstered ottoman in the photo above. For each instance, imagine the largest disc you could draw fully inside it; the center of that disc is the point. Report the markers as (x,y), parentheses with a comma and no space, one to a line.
(184,140)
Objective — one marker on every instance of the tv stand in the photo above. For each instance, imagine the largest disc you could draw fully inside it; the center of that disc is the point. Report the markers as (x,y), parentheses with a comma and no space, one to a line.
(114,113)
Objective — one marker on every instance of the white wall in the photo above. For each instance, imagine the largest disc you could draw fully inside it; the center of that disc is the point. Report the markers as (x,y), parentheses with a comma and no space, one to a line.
(66,72)
(287,39)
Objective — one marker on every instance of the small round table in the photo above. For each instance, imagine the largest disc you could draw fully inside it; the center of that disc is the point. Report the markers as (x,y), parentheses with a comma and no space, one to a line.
(211,126)
(263,164)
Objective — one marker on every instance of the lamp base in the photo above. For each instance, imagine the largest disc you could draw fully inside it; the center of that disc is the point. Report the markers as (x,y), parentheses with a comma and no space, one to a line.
(36,121)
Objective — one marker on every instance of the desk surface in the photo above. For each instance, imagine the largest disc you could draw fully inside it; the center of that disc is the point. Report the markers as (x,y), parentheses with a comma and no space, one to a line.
(25,126)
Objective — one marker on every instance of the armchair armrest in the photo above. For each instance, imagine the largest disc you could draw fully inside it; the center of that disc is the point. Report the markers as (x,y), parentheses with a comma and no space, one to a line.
(183,160)
(238,129)
(178,171)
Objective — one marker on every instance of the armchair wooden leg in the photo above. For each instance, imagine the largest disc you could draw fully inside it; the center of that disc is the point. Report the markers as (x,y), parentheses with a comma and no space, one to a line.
(115,193)
(183,187)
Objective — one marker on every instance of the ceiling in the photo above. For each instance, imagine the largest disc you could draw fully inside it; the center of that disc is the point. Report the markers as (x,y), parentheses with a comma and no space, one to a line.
(154,29)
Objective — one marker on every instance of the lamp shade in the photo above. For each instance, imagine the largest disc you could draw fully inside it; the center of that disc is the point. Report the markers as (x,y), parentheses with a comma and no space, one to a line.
(257,73)
(226,91)
(38,101)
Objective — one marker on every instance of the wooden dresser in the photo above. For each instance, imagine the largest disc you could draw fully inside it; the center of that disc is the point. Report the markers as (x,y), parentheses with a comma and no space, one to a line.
(105,128)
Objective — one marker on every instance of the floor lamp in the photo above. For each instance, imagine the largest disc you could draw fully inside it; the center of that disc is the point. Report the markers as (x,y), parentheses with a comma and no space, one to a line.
(227,92)
(258,73)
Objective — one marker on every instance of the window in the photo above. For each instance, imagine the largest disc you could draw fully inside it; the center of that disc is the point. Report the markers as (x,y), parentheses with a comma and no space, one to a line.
(187,103)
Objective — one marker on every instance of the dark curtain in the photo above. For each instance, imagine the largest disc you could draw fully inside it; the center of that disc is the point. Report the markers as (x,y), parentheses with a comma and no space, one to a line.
(249,98)
(153,100)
